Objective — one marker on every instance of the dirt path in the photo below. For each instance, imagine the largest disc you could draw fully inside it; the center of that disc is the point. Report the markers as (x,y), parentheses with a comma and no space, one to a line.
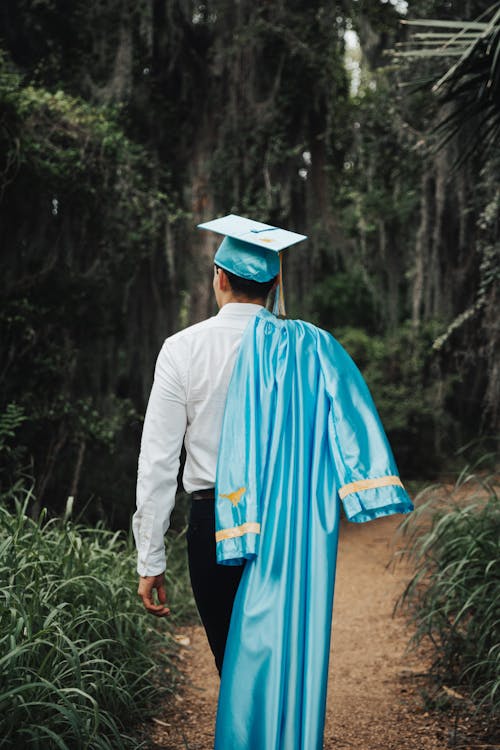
(373,700)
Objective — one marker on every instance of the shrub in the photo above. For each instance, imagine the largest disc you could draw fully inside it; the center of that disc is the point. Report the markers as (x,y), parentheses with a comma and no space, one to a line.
(410,395)
(454,594)
(80,660)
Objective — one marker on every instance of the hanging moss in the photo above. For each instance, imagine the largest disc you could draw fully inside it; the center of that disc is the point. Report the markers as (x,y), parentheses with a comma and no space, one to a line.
(80,228)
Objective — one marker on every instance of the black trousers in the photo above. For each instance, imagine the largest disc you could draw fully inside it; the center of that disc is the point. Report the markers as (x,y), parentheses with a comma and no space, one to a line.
(214,586)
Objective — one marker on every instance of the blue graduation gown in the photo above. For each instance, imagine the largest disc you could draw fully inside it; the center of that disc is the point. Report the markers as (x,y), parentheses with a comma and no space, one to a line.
(300,435)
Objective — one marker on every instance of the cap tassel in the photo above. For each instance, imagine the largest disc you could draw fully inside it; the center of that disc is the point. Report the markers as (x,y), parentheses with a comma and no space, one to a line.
(279,298)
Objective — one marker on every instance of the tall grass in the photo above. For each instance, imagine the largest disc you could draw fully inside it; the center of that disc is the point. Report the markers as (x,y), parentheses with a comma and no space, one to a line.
(80,660)
(453,597)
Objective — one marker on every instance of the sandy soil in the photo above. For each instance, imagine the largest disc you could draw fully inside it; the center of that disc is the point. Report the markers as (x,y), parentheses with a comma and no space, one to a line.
(375,688)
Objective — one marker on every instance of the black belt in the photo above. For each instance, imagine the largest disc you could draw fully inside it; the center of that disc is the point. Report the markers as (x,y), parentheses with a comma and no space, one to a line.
(204,494)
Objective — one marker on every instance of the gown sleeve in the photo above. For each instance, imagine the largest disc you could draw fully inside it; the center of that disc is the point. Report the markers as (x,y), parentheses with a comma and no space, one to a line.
(237,487)
(368,479)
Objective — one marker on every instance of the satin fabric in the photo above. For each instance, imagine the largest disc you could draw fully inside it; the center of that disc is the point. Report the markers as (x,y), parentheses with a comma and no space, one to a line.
(299,426)
(247,260)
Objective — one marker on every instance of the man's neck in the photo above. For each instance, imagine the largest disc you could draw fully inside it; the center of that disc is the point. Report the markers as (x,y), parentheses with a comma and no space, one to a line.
(231,298)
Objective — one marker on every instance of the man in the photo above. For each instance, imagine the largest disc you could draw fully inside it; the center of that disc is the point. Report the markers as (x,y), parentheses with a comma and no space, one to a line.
(186,405)
(300,434)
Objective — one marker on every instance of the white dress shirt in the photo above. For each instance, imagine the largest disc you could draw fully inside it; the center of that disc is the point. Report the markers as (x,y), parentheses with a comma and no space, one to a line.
(187,402)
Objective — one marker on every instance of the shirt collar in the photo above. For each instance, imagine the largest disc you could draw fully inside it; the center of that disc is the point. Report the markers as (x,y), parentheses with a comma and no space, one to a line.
(240,309)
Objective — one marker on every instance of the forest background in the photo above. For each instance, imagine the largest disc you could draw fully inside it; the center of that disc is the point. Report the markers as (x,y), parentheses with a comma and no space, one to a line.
(124,124)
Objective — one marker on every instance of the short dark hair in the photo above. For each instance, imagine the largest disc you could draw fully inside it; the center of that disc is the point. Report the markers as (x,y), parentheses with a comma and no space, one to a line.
(247,287)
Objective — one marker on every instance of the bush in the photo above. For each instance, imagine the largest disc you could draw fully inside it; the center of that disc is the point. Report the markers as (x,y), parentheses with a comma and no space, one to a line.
(80,660)
(75,345)
(412,401)
(453,597)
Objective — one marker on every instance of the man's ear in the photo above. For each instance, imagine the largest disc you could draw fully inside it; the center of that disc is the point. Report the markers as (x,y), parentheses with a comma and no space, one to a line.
(224,284)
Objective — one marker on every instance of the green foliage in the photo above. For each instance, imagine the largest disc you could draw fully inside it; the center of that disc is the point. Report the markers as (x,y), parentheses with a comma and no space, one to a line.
(453,596)
(343,300)
(69,272)
(80,658)
(78,154)
(457,58)
(12,454)
(10,420)
(59,134)
(400,370)
(489,247)
(378,200)
(270,54)
(470,82)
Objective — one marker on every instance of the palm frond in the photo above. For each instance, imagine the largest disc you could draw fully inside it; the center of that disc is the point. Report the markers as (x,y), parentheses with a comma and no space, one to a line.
(470,84)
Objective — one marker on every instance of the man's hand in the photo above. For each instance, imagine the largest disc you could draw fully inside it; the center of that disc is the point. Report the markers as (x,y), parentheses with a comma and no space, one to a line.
(145,591)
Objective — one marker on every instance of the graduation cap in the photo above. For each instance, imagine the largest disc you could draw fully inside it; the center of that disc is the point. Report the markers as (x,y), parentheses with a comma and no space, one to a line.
(252,250)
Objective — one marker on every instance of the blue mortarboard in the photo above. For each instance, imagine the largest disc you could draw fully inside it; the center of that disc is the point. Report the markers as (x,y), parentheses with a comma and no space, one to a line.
(251,249)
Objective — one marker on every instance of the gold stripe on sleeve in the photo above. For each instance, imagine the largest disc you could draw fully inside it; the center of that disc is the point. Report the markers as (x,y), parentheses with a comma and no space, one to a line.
(245,528)
(368,484)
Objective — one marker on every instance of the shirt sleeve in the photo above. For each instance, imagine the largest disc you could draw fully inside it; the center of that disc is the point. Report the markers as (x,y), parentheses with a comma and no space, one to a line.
(162,437)
(369,483)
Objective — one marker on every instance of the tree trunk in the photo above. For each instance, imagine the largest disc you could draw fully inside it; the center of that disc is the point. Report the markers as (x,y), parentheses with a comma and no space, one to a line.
(73,492)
